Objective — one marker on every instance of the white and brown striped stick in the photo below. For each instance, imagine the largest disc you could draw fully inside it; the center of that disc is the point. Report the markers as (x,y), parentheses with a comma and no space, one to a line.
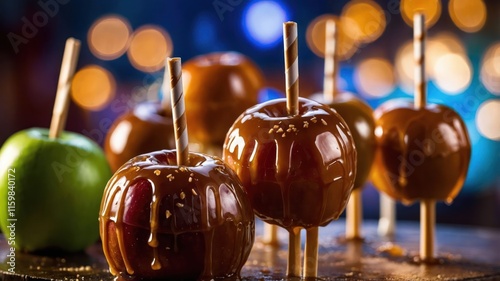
(331,62)
(427,206)
(178,110)
(290,43)
(61,104)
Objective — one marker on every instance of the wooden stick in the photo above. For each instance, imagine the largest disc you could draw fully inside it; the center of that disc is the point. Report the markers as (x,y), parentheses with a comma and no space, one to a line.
(178,110)
(293,269)
(387,221)
(427,229)
(290,43)
(271,234)
(419,56)
(165,87)
(354,215)
(61,104)
(311,253)
(331,62)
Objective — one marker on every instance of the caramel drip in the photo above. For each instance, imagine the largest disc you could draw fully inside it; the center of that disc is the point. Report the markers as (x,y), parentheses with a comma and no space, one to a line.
(119,232)
(103,229)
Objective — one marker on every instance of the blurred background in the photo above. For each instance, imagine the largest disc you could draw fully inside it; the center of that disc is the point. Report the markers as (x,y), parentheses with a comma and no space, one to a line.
(124,44)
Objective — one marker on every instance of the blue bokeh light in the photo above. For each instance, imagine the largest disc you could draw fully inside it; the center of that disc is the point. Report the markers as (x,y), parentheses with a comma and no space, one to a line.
(262,22)
(267,94)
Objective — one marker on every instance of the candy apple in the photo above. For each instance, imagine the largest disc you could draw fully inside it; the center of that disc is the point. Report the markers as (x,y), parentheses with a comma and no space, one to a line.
(298,170)
(162,221)
(222,86)
(52,187)
(422,153)
(146,128)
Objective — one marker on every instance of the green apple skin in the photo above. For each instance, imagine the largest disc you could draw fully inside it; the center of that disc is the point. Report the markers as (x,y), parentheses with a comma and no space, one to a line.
(58,188)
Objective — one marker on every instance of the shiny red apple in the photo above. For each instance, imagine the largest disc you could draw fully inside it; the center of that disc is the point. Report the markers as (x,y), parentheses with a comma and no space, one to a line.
(162,221)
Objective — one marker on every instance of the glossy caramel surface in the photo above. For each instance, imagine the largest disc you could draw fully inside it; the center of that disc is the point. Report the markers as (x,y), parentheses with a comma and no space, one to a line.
(421,153)
(159,220)
(359,118)
(218,87)
(145,129)
(297,170)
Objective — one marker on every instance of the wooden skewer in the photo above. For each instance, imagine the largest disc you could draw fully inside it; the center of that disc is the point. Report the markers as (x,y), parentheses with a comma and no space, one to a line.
(354,215)
(387,221)
(271,234)
(427,206)
(311,253)
(331,62)
(293,268)
(178,110)
(61,104)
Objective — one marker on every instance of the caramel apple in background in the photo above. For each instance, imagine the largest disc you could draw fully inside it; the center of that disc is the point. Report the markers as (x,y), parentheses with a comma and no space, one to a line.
(359,118)
(423,150)
(176,215)
(148,127)
(297,162)
(218,88)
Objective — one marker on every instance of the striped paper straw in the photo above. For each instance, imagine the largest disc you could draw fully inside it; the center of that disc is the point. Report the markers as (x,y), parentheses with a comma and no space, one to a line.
(419,55)
(292,67)
(331,64)
(178,110)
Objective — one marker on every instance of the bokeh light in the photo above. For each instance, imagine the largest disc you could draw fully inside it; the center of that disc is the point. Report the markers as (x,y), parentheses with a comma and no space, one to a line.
(487,119)
(452,73)
(365,20)
(490,69)
(469,15)
(315,36)
(404,66)
(149,47)
(430,8)
(109,37)
(374,77)
(263,23)
(93,87)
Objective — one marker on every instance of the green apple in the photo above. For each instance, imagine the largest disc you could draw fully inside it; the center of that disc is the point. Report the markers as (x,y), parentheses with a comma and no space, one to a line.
(56,186)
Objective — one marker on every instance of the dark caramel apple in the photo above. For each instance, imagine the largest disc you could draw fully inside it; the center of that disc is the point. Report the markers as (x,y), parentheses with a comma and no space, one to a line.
(145,129)
(218,87)
(298,171)
(162,221)
(422,153)
(359,118)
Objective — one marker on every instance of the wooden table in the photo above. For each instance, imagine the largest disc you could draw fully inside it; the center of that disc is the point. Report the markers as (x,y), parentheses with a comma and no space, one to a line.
(465,253)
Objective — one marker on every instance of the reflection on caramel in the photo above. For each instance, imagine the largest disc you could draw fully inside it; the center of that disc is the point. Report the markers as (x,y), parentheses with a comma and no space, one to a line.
(159,220)
(218,87)
(145,129)
(359,118)
(299,170)
(421,154)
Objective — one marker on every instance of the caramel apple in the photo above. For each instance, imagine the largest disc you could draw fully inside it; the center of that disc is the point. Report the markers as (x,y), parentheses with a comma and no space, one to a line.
(422,153)
(221,86)
(165,221)
(298,170)
(146,128)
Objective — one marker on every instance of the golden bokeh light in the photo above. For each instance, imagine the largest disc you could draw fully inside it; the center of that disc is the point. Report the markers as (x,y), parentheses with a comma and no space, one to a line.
(440,45)
(315,36)
(430,8)
(487,117)
(468,15)
(93,87)
(365,20)
(374,77)
(453,73)
(109,36)
(149,47)
(404,66)
(490,69)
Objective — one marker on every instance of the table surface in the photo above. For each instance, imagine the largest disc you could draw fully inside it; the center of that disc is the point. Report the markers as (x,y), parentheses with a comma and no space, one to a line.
(464,253)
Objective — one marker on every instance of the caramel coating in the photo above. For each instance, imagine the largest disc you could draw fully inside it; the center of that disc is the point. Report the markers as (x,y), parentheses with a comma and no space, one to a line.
(359,118)
(147,128)
(220,86)
(159,220)
(421,154)
(298,171)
